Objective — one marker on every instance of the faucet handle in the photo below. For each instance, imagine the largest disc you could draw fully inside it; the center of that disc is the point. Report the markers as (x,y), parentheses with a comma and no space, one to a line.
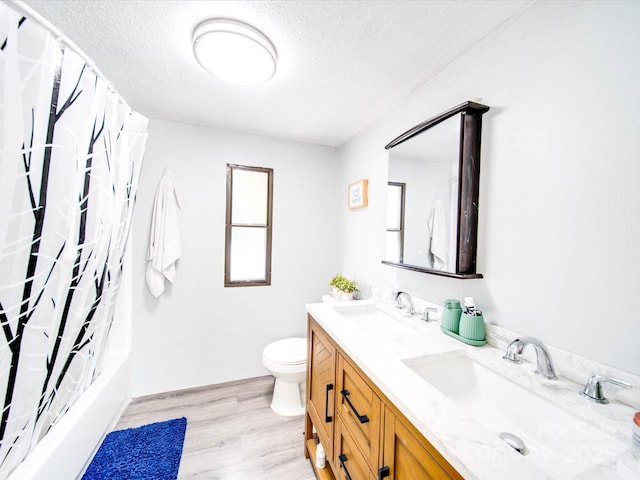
(425,316)
(593,388)
(514,349)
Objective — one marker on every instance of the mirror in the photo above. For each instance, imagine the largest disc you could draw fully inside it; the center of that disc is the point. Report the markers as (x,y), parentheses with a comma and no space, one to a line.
(432,196)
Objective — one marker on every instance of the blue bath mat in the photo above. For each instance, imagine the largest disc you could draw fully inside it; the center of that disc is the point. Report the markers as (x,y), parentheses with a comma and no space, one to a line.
(150,452)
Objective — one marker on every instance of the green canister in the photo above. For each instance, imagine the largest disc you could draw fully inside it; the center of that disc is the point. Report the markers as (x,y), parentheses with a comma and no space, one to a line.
(472,326)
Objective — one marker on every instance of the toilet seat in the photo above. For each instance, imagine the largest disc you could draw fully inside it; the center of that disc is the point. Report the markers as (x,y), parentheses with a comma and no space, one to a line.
(288,351)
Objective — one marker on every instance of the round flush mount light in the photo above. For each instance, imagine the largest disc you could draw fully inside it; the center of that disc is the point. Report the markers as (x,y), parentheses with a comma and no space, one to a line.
(234,51)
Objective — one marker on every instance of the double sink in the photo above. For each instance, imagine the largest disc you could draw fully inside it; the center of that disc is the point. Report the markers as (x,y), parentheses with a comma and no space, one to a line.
(524,414)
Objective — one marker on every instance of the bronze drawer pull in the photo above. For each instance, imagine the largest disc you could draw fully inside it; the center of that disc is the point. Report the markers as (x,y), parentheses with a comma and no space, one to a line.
(327,418)
(343,458)
(383,472)
(362,418)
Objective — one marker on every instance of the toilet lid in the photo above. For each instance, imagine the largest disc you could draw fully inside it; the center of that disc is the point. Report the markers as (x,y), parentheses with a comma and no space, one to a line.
(288,351)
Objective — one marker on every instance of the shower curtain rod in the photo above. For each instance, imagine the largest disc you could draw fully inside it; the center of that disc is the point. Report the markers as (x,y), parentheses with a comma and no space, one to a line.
(61,37)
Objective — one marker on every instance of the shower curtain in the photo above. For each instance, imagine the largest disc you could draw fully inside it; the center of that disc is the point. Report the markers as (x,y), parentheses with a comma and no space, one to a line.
(70,157)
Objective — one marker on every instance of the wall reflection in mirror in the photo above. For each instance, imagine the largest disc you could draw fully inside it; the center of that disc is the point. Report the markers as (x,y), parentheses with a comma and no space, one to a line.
(427,167)
(432,194)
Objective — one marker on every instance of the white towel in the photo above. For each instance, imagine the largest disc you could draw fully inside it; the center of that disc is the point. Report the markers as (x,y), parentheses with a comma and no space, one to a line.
(438,232)
(164,239)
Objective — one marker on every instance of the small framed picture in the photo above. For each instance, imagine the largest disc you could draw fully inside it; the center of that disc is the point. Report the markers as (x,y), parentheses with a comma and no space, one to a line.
(358,194)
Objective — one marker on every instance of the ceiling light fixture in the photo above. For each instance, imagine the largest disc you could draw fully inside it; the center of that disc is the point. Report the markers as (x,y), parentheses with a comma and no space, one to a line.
(234,51)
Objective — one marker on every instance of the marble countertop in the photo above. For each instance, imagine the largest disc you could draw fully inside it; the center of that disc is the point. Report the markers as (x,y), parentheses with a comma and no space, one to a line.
(474,450)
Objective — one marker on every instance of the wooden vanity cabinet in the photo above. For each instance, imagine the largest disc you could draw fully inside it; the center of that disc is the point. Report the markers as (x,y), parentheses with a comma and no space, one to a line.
(408,456)
(367,436)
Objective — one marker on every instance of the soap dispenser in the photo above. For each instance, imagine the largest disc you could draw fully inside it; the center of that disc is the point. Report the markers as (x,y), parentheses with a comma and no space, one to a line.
(451,315)
(628,465)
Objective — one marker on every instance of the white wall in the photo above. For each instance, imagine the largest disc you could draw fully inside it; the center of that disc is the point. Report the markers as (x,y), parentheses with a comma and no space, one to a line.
(199,332)
(559,201)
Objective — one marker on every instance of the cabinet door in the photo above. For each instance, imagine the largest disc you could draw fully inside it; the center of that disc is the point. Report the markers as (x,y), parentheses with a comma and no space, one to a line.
(360,409)
(409,457)
(321,384)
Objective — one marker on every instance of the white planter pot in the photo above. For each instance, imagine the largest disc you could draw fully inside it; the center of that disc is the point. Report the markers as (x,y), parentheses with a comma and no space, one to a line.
(346,297)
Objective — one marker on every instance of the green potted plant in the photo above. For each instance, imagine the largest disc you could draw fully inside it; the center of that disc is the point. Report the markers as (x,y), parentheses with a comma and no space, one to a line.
(343,288)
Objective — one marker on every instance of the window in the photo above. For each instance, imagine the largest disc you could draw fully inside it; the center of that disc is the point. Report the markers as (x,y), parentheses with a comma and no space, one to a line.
(248,226)
(395,222)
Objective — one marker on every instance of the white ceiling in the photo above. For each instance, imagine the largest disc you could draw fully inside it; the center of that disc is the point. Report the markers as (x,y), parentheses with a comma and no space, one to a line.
(341,65)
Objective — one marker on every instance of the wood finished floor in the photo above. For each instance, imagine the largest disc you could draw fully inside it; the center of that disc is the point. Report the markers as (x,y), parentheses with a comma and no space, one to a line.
(232,434)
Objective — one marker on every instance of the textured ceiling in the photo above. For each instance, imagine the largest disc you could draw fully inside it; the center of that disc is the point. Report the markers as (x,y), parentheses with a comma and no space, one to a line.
(342,64)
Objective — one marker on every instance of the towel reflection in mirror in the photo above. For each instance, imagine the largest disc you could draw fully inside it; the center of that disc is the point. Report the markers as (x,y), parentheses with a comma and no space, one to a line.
(438,238)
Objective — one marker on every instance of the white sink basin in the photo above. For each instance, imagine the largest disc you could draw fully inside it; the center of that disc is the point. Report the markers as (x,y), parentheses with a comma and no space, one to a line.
(558,442)
(374,318)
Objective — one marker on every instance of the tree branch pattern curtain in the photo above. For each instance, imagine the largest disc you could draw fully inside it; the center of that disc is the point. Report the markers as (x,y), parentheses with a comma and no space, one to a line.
(70,157)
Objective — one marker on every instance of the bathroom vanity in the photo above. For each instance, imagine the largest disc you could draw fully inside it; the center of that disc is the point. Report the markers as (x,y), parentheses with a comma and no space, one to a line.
(386,398)
(364,432)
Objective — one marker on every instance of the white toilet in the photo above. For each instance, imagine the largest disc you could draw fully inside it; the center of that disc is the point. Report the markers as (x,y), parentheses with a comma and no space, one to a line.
(286,360)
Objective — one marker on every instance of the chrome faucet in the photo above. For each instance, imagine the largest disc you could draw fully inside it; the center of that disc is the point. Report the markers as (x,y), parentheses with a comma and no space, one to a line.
(408,302)
(593,388)
(545,364)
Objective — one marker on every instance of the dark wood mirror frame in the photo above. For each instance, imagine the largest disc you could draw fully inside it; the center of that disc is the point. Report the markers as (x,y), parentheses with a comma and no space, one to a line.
(468,186)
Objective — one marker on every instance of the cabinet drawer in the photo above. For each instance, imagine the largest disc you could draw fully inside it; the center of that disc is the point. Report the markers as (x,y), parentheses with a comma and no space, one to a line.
(359,409)
(350,462)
